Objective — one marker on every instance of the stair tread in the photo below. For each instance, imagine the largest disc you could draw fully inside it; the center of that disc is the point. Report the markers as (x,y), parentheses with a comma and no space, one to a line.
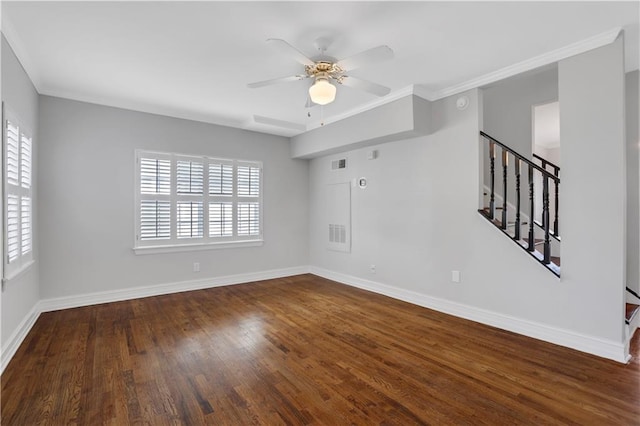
(630,311)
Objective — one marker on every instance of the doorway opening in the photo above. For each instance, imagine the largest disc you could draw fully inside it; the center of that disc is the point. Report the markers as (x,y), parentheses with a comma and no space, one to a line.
(546,150)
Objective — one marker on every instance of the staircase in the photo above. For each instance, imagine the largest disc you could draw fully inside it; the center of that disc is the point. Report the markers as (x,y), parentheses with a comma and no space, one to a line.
(632,312)
(506,210)
(541,239)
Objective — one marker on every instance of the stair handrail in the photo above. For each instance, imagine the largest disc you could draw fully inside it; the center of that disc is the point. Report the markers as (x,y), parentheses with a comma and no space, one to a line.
(521,157)
(545,162)
(633,293)
(547,176)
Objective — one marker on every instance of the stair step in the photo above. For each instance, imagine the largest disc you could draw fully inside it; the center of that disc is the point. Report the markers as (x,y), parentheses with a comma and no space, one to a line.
(631,311)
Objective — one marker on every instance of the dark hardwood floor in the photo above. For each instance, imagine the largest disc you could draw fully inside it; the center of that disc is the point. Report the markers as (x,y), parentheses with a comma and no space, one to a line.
(301,350)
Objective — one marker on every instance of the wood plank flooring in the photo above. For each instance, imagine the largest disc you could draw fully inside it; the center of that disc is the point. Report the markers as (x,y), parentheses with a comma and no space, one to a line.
(301,350)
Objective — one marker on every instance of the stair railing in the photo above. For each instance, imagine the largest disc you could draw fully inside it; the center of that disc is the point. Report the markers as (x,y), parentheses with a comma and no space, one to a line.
(547,176)
(556,172)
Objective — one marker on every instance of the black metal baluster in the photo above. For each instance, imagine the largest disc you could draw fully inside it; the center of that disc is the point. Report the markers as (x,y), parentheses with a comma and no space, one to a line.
(505,165)
(556,228)
(545,219)
(492,198)
(516,234)
(531,246)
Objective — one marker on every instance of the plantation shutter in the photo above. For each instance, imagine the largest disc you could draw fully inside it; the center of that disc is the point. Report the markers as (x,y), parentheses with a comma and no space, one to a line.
(155,176)
(185,200)
(190,178)
(221,219)
(155,220)
(248,181)
(155,206)
(18,213)
(220,179)
(13,227)
(13,150)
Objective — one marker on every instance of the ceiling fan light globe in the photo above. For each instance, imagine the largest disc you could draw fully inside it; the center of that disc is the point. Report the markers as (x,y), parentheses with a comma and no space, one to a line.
(322,92)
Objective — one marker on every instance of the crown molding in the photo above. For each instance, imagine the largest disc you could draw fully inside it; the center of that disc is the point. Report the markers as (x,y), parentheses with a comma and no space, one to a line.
(573,49)
(16,44)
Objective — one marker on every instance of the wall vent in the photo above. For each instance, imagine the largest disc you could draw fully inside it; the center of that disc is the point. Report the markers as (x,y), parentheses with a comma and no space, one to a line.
(337,234)
(338,164)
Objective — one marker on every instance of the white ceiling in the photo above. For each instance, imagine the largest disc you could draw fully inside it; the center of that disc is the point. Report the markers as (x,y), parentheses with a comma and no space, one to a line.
(194,59)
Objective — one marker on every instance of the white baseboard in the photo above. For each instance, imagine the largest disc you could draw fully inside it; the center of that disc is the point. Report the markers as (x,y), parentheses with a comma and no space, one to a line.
(13,343)
(594,345)
(67,302)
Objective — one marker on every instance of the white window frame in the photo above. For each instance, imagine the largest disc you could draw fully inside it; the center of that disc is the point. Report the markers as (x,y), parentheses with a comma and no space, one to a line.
(13,268)
(206,242)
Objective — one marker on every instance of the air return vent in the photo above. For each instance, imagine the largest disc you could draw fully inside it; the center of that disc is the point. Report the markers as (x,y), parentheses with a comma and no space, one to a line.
(338,164)
(337,234)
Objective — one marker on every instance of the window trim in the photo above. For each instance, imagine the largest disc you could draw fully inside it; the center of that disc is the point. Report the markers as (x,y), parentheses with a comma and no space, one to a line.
(206,242)
(23,261)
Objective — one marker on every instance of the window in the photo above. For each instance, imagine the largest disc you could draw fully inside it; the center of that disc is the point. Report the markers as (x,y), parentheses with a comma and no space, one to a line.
(187,202)
(18,214)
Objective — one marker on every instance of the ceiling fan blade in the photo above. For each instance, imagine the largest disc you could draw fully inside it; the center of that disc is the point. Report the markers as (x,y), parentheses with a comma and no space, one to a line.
(370,56)
(365,85)
(276,81)
(289,50)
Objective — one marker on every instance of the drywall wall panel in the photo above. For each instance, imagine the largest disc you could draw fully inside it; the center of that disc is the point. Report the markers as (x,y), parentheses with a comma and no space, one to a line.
(87,182)
(416,222)
(591,94)
(507,109)
(633,181)
(400,119)
(20,97)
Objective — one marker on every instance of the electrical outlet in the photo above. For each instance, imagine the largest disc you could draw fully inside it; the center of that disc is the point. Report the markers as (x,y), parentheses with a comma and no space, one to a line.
(455,276)
(372,268)
(196,267)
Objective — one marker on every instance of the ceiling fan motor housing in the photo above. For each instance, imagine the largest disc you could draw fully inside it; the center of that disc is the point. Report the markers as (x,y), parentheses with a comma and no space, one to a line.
(326,69)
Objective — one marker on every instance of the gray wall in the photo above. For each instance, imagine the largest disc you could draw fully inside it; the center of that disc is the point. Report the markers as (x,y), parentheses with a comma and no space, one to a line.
(507,116)
(507,106)
(20,97)
(633,182)
(416,221)
(591,92)
(87,199)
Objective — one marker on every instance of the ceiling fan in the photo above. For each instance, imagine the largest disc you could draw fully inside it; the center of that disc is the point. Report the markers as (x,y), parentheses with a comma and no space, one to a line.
(323,69)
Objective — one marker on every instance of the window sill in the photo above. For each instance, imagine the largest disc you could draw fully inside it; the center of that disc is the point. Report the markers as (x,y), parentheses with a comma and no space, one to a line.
(17,274)
(196,247)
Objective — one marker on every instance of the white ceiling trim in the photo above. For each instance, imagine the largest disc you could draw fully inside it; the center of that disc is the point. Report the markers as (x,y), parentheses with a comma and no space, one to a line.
(147,108)
(582,46)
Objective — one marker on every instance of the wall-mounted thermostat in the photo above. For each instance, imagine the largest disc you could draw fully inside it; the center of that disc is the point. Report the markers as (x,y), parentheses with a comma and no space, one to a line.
(362,183)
